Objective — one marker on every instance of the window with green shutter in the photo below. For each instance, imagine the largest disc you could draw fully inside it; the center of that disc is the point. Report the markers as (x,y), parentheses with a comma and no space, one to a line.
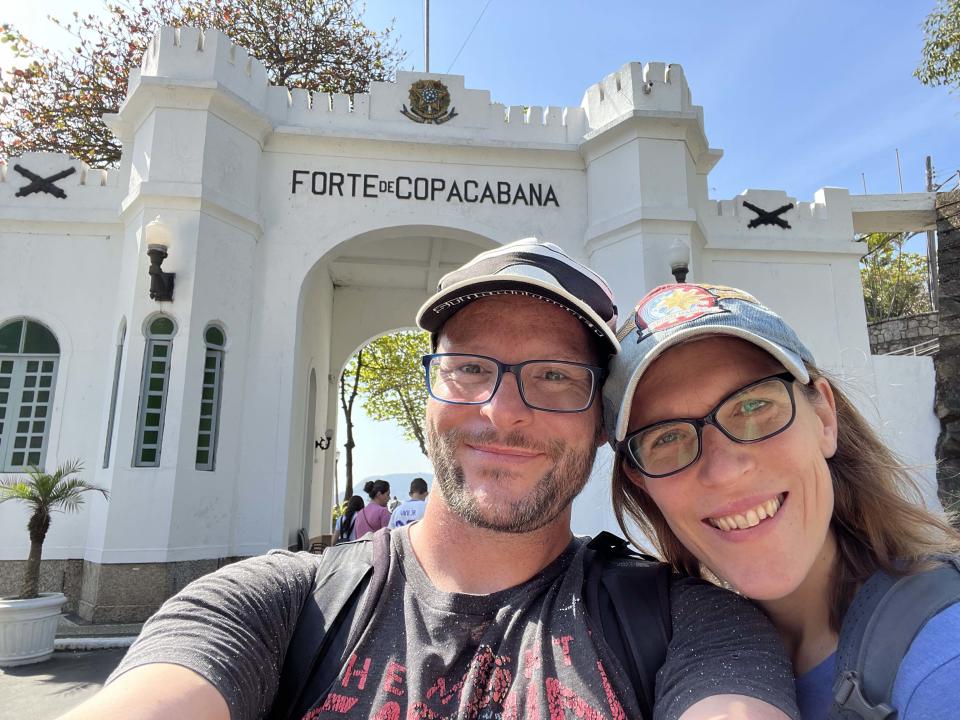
(29,357)
(153,392)
(210,398)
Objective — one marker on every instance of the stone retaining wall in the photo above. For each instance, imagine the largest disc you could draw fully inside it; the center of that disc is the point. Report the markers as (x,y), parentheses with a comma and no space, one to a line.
(947,360)
(887,336)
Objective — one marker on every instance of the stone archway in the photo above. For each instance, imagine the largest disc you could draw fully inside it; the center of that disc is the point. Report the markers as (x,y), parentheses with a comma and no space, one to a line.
(369,285)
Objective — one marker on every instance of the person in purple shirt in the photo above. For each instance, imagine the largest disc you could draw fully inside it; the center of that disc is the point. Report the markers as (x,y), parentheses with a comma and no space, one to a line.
(744,462)
(375,515)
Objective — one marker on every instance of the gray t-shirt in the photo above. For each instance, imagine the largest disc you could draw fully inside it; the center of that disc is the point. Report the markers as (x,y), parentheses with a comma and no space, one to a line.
(523,652)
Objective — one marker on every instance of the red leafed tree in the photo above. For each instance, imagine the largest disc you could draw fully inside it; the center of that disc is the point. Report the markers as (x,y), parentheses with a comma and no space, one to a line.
(57,101)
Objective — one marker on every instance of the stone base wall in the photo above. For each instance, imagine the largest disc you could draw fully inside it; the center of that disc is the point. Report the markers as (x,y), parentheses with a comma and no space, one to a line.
(132,592)
(887,336)
(55,576)
(947,361)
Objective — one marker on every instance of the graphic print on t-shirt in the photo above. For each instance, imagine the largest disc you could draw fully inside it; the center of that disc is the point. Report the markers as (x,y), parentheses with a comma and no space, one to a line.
(526,652)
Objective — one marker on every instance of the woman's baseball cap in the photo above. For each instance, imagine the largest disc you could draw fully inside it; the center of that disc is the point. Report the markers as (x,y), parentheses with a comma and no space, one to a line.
(527,268)
(673,314)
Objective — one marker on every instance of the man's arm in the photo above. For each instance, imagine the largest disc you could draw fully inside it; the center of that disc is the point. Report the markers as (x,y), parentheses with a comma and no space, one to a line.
(215,649)
(725,660)
(154,692)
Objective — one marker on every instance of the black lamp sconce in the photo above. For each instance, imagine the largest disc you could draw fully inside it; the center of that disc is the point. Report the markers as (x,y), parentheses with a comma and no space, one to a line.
(324,442)
(679,257)
(158,242)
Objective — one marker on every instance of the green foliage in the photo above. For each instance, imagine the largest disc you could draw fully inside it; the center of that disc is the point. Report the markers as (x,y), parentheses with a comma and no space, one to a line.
(392,384)
(894,282)
(44,494)
(940,64)
(56,103)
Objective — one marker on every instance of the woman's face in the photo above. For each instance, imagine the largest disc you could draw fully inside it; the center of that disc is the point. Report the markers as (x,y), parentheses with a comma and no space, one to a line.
(713,505)
(382,498)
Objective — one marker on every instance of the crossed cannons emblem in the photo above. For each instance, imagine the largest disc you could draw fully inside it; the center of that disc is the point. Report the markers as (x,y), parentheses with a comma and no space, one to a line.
(42,184)
(768,217)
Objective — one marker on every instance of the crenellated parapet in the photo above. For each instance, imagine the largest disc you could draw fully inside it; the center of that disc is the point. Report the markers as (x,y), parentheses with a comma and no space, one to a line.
(49,185)
(651,88)
(192,61)
(771,218)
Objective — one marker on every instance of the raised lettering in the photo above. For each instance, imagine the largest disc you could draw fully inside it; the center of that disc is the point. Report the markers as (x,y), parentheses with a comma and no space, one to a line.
(353,183)
(536,194)
(519,195)
(322,176)
(454,192)
(336,183)
(436,186)
(295,181)
(488,192)
(503,193)
(421,188)
(401,196)
(466,190)
(551,197)
(370,186)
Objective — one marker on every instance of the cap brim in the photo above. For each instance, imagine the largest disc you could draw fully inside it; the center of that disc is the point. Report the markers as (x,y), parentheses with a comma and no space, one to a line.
(790,361)
(442,306)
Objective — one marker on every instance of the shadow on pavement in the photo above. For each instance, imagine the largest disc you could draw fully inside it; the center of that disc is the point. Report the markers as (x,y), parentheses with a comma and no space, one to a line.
(47,690)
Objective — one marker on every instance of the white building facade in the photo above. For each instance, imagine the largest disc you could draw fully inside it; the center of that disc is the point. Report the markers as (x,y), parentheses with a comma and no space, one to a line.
(300,227)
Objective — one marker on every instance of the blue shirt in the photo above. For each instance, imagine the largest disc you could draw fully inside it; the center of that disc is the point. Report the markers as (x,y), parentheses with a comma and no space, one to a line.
(928,682)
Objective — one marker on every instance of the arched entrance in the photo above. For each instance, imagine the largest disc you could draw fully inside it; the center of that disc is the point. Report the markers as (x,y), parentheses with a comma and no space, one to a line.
(369,285)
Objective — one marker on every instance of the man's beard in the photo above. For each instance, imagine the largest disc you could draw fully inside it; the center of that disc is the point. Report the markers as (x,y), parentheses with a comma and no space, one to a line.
(551,496)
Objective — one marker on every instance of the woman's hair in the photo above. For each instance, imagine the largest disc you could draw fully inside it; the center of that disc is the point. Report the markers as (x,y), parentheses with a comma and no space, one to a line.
(354,505)
(375,487)
(878,519)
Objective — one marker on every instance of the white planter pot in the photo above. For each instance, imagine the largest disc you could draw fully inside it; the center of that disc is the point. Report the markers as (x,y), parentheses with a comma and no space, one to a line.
(28,628)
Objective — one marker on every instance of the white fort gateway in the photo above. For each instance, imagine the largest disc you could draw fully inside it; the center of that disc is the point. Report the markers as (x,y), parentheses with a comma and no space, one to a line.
(299,226)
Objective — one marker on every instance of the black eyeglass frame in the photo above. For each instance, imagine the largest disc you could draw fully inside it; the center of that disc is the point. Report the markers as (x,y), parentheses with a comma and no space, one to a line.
(710,418)
(597,375)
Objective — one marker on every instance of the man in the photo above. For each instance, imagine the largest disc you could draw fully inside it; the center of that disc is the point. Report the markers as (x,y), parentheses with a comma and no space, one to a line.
(481,613)
(412,510)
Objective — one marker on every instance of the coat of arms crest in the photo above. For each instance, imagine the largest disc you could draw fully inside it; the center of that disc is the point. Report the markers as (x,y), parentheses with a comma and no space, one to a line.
(429,103)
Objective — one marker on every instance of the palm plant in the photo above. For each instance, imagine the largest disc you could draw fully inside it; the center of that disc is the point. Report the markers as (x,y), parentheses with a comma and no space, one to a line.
(44,493)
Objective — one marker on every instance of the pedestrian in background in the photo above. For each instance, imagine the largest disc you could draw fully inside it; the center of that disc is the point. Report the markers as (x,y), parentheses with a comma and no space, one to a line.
(413,509)
(375,515)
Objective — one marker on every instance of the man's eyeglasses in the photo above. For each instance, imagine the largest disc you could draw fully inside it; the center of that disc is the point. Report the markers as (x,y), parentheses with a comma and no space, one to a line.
(552,385)
(753,413)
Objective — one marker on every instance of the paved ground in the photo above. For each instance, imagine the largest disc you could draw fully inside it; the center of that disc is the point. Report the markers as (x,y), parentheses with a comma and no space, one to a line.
(47,690)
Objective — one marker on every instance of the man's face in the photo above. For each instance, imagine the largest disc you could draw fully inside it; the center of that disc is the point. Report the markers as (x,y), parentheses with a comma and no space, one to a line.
(502,465)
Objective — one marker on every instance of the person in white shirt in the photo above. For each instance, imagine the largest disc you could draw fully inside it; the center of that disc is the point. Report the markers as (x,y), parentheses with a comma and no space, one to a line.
(412,510)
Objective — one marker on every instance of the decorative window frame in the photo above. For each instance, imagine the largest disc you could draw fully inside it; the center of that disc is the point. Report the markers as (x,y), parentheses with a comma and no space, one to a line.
(211,390)
(157,349)
(23,374)
(114,391)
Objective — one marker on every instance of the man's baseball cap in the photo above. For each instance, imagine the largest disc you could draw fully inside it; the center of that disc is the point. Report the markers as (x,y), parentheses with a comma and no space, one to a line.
(533,269)
(673,314)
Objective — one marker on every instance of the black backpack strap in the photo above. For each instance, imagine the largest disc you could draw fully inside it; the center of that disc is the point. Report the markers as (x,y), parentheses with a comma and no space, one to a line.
(884,618)
(626,594)
(348,583)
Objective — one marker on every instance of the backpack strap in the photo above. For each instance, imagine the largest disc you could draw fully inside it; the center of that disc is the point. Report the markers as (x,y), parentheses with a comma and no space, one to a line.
(345,592)
(626,594)
(886,615)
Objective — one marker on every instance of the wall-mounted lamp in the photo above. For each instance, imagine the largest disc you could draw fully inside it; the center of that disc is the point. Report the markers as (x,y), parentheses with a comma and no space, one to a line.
(678,255)
(158,242)
(324,442)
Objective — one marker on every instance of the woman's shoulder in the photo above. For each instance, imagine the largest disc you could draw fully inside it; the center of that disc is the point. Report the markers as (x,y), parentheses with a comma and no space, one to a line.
(928,681)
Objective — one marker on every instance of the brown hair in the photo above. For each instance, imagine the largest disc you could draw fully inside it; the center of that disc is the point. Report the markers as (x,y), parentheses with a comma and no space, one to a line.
(878,519)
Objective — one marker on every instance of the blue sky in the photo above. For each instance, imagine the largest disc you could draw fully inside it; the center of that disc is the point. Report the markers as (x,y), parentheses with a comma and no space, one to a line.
(798,95)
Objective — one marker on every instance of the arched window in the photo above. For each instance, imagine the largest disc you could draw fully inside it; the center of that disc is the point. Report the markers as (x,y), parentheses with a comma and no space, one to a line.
(113,392)
(29,355)
(153,392)
(215,340)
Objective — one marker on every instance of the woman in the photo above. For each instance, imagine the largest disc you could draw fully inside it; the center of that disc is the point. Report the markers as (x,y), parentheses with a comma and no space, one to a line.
(345,528)
(770,481)
(375,515)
